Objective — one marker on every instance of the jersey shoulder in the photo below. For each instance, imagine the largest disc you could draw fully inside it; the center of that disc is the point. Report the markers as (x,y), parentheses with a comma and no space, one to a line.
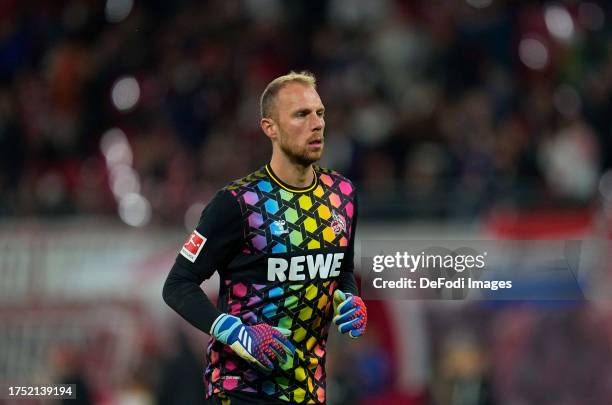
(330,176)
(247,181)
(332,173)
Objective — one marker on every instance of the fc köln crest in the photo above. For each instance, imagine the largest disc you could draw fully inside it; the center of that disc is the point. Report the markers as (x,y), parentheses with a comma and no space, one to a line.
(338,224)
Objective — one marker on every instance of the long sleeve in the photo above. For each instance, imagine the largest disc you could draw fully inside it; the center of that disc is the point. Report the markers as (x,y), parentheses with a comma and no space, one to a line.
(211,246)
(182,293)
(346,280)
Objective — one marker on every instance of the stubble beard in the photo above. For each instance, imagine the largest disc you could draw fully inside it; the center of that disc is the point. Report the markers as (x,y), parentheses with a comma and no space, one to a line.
(302,157)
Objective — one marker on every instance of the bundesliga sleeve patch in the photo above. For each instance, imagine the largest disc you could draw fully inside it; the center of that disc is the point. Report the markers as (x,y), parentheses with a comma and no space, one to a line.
(192,248)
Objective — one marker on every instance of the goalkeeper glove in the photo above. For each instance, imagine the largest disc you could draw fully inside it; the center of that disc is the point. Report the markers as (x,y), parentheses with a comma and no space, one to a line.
(350,314)
(261,344)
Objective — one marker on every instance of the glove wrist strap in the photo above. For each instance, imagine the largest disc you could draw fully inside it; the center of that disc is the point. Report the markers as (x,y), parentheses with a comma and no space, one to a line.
(223,327)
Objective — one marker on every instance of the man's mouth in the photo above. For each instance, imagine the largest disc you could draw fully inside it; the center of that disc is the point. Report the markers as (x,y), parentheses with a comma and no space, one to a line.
(316,142)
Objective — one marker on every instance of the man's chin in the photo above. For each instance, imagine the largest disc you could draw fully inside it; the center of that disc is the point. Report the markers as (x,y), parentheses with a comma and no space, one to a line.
(306,158)
(311,158)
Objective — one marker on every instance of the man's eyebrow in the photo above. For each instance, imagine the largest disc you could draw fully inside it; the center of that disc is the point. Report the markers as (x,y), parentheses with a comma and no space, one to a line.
(307,110)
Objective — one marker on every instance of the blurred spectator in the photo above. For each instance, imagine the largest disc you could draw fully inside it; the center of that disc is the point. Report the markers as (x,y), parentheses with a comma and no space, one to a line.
(462,378)
(67,370)
(570,161)
(368,375)
(181,379)
(484,101)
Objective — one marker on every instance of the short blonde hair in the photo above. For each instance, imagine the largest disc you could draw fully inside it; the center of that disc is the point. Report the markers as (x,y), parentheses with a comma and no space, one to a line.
(268,97)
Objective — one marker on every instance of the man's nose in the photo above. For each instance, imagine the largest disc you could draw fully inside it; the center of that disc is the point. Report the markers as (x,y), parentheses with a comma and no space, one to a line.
(317,123)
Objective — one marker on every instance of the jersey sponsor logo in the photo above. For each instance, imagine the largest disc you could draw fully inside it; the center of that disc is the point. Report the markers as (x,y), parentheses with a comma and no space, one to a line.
(193,246)
(295,269)
(338,224)
(278,228)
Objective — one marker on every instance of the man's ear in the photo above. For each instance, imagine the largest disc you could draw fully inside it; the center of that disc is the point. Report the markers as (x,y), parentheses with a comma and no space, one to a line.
(268,126)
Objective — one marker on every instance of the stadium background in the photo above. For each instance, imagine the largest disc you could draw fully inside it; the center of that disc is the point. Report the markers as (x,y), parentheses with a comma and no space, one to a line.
(456,119)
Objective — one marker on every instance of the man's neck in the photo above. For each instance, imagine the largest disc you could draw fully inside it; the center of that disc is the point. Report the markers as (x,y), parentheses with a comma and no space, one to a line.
(295,175)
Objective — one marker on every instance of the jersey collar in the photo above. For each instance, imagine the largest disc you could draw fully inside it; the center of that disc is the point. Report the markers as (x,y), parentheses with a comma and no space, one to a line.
(288,187)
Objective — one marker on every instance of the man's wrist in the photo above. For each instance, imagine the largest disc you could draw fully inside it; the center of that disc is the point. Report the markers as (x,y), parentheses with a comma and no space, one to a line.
(214,324)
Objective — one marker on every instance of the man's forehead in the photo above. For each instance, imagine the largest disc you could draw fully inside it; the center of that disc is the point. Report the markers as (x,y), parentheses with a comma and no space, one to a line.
(297,94)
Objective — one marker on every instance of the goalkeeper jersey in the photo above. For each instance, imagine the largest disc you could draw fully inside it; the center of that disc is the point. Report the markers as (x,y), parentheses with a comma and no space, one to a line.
(280,252)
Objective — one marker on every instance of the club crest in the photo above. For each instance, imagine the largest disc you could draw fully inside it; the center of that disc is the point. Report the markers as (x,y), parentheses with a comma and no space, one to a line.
(338,224)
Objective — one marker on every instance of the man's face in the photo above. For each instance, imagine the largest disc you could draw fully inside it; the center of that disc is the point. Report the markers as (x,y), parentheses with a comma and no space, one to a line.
(299,115)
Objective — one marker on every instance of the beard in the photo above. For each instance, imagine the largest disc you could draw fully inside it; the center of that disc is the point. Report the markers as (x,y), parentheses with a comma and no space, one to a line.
(300,156)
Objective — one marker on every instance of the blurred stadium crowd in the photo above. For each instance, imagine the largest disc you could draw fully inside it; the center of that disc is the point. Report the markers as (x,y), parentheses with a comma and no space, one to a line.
(486,101)
(436,109)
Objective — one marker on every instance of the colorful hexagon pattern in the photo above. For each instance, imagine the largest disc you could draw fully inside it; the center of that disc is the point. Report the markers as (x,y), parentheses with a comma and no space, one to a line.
(282,222)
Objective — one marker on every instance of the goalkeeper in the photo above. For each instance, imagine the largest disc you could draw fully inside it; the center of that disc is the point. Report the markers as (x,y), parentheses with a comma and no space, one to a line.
(282,241)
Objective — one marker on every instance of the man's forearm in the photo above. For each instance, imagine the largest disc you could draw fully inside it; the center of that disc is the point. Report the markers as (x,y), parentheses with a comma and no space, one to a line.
(347,283)
(182,293)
